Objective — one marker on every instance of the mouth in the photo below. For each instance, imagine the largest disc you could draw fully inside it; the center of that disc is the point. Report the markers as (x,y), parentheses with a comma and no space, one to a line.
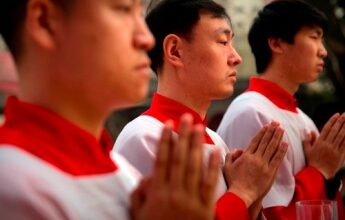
(320,66)
(144,68)
(233,74)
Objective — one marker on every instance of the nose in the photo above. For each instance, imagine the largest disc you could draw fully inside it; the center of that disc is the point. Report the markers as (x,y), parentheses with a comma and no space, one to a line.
(143,37)
(234,58)
(322,52)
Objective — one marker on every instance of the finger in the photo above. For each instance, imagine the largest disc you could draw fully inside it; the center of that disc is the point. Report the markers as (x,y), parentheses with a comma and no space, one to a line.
(180,150)
(307,143)
(256,140)
(194,172)
(161,165)
(342,150)
(313,137)
(138,196)
(333,133)
(326,129)
(340,136)
(266,139)
(273,144)
(229,160)
(278,157)
(236,154)
(211,178)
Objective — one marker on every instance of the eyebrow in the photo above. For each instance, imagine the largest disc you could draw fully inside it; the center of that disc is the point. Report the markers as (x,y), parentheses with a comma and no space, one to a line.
(319,31)
(226,31)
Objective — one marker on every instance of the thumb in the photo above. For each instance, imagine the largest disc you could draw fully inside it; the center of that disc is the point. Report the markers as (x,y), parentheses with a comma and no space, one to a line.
(138,196)
(307,142)
(227,168)
(235,154)
(313,137)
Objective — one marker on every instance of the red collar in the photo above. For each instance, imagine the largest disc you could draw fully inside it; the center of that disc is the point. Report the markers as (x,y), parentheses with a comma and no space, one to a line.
(55,140)
(163,109)
(274,93)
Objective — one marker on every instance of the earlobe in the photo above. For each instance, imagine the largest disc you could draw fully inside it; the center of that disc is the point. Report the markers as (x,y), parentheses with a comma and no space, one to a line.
(41,23)
(172,50)
(276,45)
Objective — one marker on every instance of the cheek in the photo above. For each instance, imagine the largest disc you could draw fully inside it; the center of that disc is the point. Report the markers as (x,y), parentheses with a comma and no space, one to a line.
(209,59)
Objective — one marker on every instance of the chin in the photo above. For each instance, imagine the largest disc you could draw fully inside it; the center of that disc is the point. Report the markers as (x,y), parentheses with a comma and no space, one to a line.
(224,95)
(229,93)
(133,99)
(140,96)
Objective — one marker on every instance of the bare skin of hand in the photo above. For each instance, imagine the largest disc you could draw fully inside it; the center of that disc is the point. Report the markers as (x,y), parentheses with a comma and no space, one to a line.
(180,187)
(255,208)
(327,152)
(251,175)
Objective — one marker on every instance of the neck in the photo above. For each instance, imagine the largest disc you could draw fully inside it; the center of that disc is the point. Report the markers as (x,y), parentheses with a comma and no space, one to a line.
(171,87)
(281,78)
(36,87)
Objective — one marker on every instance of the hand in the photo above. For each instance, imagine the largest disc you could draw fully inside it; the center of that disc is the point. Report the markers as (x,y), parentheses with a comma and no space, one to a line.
(327,152)
(251,175)
(179,187)
(255,209)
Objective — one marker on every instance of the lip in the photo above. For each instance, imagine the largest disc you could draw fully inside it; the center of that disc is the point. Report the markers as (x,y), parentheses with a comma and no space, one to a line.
(233,74)
(320,66)
(144,68)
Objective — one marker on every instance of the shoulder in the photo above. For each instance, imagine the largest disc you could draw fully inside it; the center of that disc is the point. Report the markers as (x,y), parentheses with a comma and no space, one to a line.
(249,107)
(251,102)
(137,142)
(141,129)
(141,126)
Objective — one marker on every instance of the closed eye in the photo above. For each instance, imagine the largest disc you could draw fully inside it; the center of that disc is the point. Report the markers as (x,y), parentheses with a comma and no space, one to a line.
(225,43)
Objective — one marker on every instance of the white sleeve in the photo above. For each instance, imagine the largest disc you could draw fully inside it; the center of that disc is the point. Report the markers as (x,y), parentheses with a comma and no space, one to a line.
(137,143)
(20,195)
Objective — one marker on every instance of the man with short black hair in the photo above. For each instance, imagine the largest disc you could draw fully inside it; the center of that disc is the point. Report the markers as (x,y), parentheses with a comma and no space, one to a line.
(286,39)
(195,63)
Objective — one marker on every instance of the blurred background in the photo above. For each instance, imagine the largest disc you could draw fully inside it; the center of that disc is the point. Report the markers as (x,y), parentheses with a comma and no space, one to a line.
(319,99)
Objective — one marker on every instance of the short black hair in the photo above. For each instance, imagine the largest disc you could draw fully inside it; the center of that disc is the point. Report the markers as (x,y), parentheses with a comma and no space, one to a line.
(281,19)
(177,17)
(12,16)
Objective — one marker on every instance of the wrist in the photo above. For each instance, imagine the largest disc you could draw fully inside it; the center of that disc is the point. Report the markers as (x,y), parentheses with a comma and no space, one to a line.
(255,209)
(244,195)
(332,186)
(324,173)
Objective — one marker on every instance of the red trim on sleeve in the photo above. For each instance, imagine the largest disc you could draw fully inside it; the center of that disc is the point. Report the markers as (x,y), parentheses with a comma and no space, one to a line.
(309,185)
(230,206)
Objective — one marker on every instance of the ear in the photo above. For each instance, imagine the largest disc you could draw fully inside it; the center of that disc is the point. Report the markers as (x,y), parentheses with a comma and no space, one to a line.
(172,50)
(42,21)
(276,45)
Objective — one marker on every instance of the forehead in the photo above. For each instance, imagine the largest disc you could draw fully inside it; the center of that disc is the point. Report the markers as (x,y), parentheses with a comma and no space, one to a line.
(311,29)
(82,3)
(209,23)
